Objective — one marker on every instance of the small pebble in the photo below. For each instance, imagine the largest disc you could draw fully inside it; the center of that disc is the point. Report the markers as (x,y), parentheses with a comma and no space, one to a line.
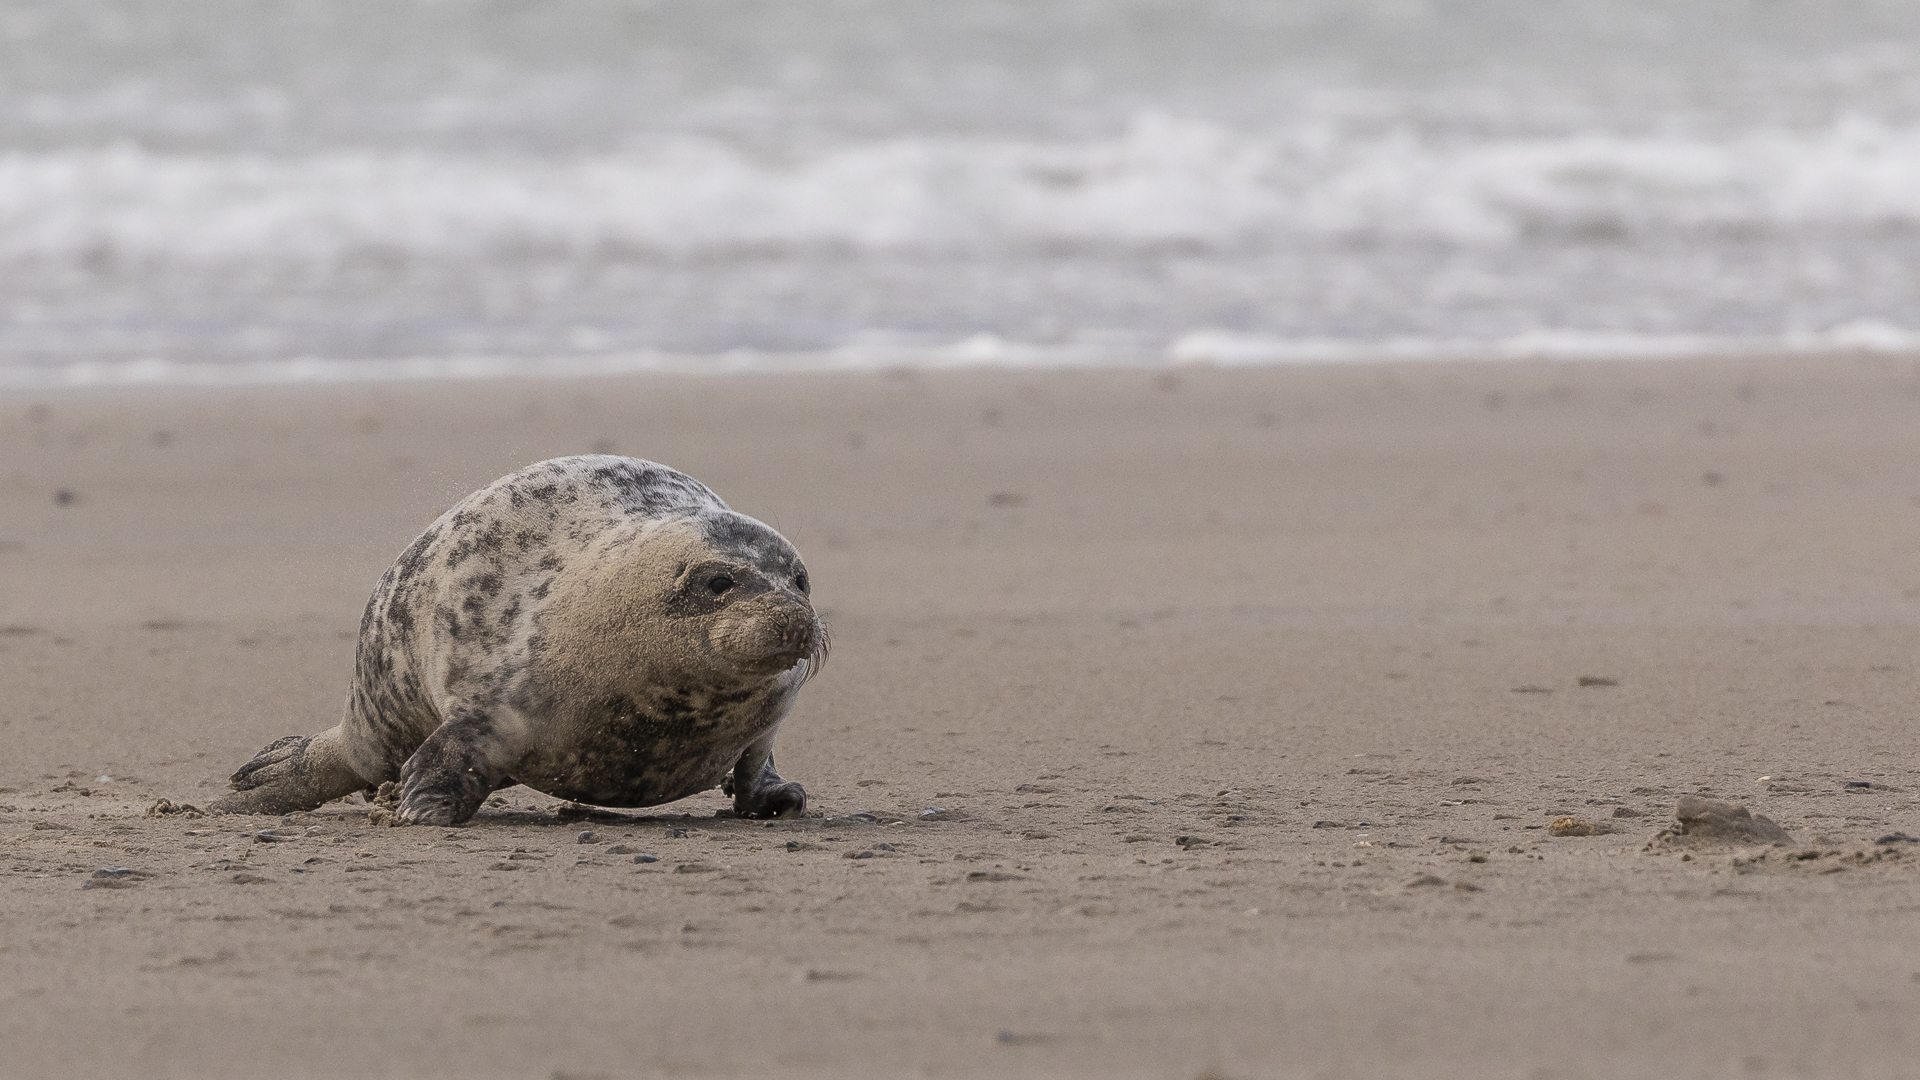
(675,834)
(1568,825)
(646,858)
(112,877)
(587,836)
(867,818)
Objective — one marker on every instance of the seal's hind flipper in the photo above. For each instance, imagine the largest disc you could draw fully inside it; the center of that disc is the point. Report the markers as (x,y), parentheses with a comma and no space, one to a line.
(259,771)
(298,772)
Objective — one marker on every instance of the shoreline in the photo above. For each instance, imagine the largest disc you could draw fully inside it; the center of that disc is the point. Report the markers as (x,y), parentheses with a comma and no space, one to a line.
(1201,350)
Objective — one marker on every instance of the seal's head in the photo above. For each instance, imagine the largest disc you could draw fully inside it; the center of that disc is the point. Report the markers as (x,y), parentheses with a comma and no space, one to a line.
(751,594)
(713,598)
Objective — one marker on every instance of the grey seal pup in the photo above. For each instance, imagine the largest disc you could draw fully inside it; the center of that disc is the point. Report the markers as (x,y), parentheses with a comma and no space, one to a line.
(598,628)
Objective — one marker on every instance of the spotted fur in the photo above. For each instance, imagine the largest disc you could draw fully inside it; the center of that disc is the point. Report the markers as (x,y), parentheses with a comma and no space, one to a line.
(598,628)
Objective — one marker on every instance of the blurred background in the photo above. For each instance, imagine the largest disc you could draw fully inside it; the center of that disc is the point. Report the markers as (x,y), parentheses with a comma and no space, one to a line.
(197,190)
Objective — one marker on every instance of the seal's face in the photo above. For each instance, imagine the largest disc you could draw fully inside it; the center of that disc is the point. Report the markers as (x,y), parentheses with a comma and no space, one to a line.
(751,595)
(714,600)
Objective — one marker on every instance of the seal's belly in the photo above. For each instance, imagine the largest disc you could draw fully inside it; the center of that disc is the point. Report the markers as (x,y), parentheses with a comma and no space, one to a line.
(630,761)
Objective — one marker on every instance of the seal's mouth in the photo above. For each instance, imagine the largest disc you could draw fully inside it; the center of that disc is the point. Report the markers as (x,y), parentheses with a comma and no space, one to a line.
(822,645)
(772,642)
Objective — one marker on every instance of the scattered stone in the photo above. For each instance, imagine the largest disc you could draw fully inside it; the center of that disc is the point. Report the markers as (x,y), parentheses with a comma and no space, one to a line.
(1190,842)
(1568,825)
(864,819)
(643,858)
(587,836)
(934,813)
(268,836)
(113,877)
(676,834)
(1424,880)
(993,875)
(1019,1038)
(818,975)
(1700,821)
(1626,811)
(858,855)
(1597,680)
(163,807)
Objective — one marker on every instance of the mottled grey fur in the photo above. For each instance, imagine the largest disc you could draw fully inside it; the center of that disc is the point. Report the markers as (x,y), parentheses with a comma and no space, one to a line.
(598,628)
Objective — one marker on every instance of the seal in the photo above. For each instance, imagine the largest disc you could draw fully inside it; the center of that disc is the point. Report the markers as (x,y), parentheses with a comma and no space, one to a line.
(599,628)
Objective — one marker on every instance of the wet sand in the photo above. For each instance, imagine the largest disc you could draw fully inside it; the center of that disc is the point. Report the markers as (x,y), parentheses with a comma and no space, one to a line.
(1246,697)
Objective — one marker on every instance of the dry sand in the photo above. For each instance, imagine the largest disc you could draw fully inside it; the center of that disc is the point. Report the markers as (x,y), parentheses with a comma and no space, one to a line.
(1248,694)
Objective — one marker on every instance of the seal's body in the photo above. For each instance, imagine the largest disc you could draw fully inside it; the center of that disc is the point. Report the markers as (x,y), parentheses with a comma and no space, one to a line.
(599,628)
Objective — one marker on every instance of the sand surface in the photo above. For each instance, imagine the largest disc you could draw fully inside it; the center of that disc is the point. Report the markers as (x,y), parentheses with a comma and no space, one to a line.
(1247,695)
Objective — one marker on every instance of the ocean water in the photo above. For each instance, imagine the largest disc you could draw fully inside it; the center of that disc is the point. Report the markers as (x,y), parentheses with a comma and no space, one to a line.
(205,190)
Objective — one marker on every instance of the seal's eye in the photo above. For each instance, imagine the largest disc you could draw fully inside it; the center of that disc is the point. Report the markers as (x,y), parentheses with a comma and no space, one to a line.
(719,584)
(800,581)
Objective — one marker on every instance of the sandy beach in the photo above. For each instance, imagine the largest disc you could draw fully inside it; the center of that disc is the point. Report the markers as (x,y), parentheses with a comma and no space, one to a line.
(1244,698)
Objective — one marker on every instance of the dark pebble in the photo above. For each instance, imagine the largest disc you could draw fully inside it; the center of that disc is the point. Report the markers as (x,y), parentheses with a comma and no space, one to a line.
(112,877)
(646,858)
(587,836)
(868,818)
(675,834)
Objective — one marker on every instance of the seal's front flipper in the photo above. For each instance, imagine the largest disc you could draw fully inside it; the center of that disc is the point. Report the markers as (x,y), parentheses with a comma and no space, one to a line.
(452,773)
(298,772)
(758,791)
